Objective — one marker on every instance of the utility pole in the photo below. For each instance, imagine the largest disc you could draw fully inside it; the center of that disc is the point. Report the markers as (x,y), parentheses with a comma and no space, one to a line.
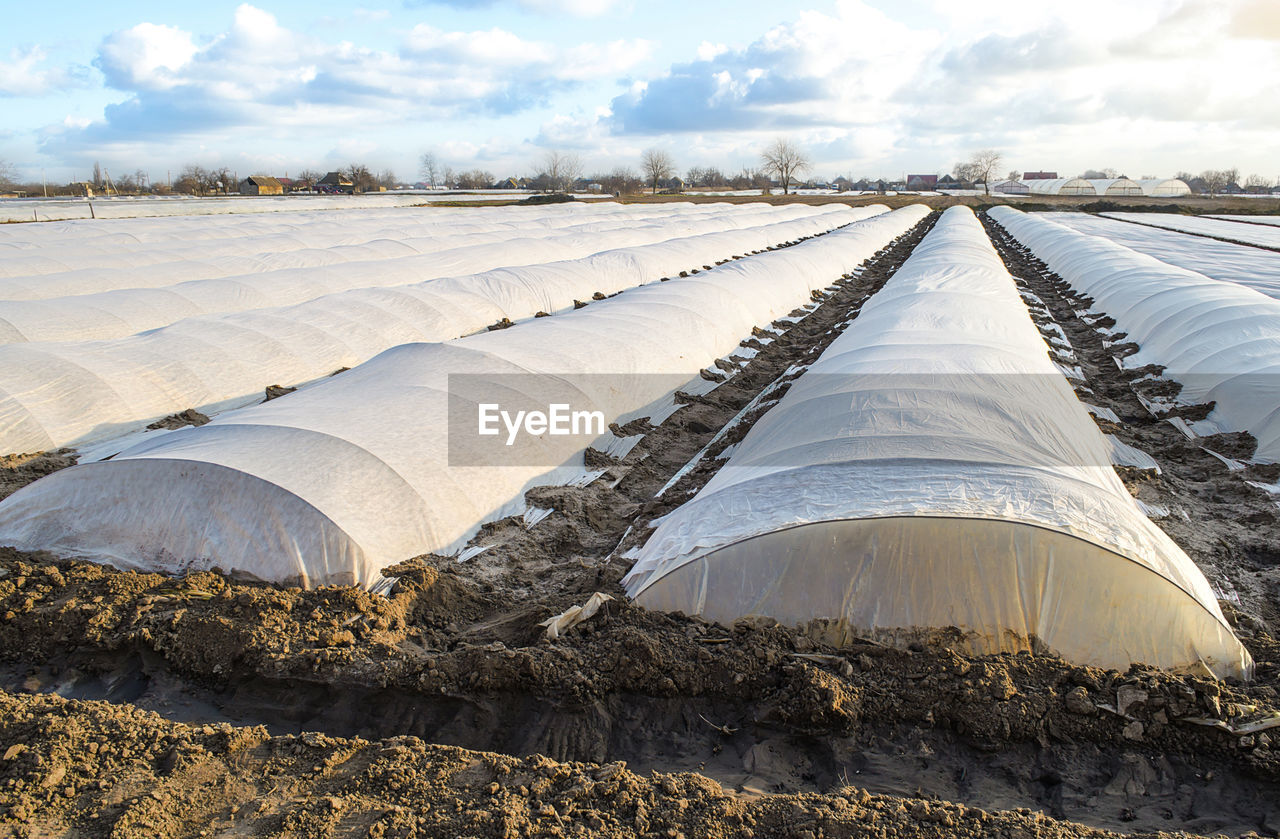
(44,182)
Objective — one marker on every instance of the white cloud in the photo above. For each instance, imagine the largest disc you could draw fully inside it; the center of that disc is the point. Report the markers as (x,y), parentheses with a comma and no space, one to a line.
(23,74)
(260,74)
(1052,79)
(147,56)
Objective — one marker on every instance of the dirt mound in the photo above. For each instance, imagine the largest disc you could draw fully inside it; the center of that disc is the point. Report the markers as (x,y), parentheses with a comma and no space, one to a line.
(18,470)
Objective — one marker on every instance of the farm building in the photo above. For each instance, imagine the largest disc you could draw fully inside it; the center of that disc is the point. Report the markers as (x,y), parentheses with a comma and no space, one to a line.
(1011,188)
(261,185)
(1060,186)
(1040,176)
(336,182)
(922,182)
(1116,186)
(1164,187)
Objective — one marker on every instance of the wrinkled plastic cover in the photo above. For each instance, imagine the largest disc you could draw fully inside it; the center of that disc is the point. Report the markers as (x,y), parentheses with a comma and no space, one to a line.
(1220,340)
(339,480)
(1164,187)
(69,393)
(933,469)
(1060,186)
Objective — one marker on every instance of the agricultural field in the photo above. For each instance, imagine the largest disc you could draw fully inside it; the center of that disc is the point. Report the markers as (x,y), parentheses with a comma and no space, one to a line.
(657,519)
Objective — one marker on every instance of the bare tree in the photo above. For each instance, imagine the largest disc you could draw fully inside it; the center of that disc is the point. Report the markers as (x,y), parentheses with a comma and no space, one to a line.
(7,173)
(222,179)
(657,165)
(980,167)
(449,178)
(475,179)
(1257,183)
(784,160)
(192,180)
(360,176)
(430,168)
(1100,174)
(1014,175)
(307,178)
(1215,180)
(562,169)
(388,179)
(97,175)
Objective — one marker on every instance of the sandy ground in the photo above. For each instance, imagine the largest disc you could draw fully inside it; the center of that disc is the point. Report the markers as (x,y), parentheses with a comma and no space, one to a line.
(139,705)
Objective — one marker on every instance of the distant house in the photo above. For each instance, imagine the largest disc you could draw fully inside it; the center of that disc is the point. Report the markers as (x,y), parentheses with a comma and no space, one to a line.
(948,182)
(922,183)
(261,185)
(336,182)
(508,183)
(1039,176)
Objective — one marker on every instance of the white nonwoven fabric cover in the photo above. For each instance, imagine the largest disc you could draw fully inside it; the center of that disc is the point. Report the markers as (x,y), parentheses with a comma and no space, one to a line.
(379,263)
(1220,340)
(1271,220)
(933,469)
(67,266)
(68,394)
(1251,234)
(1060,186)
(335,482)
(1253,267)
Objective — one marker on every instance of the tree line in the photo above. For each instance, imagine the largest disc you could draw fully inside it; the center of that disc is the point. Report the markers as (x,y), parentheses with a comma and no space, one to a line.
(781,164)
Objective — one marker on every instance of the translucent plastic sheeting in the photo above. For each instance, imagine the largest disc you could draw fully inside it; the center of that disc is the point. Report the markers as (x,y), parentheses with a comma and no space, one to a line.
(1250,234)
(61,268)
(1164,187)
(1115,186)
(1060,186)
(933,469)
(1233,263)
(67,394)
(383,263)
(1220,340)
(334,483)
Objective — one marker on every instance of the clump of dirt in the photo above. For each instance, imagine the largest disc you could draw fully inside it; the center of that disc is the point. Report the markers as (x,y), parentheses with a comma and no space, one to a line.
(18,470)
(276,391)
(188,417)
(116,771)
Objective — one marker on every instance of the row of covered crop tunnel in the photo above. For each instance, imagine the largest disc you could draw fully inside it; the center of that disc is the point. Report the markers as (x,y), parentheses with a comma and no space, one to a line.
(932,468)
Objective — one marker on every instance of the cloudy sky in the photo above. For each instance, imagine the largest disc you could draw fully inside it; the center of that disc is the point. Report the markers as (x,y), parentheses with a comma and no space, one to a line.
(869,86)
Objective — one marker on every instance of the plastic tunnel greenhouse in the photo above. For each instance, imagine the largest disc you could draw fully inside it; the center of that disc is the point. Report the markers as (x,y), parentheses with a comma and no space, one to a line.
(1164,187)
(340,480)
(933,469)
(1060,186)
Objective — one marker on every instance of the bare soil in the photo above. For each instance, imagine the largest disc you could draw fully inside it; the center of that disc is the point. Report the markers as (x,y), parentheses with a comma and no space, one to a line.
(142,705)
